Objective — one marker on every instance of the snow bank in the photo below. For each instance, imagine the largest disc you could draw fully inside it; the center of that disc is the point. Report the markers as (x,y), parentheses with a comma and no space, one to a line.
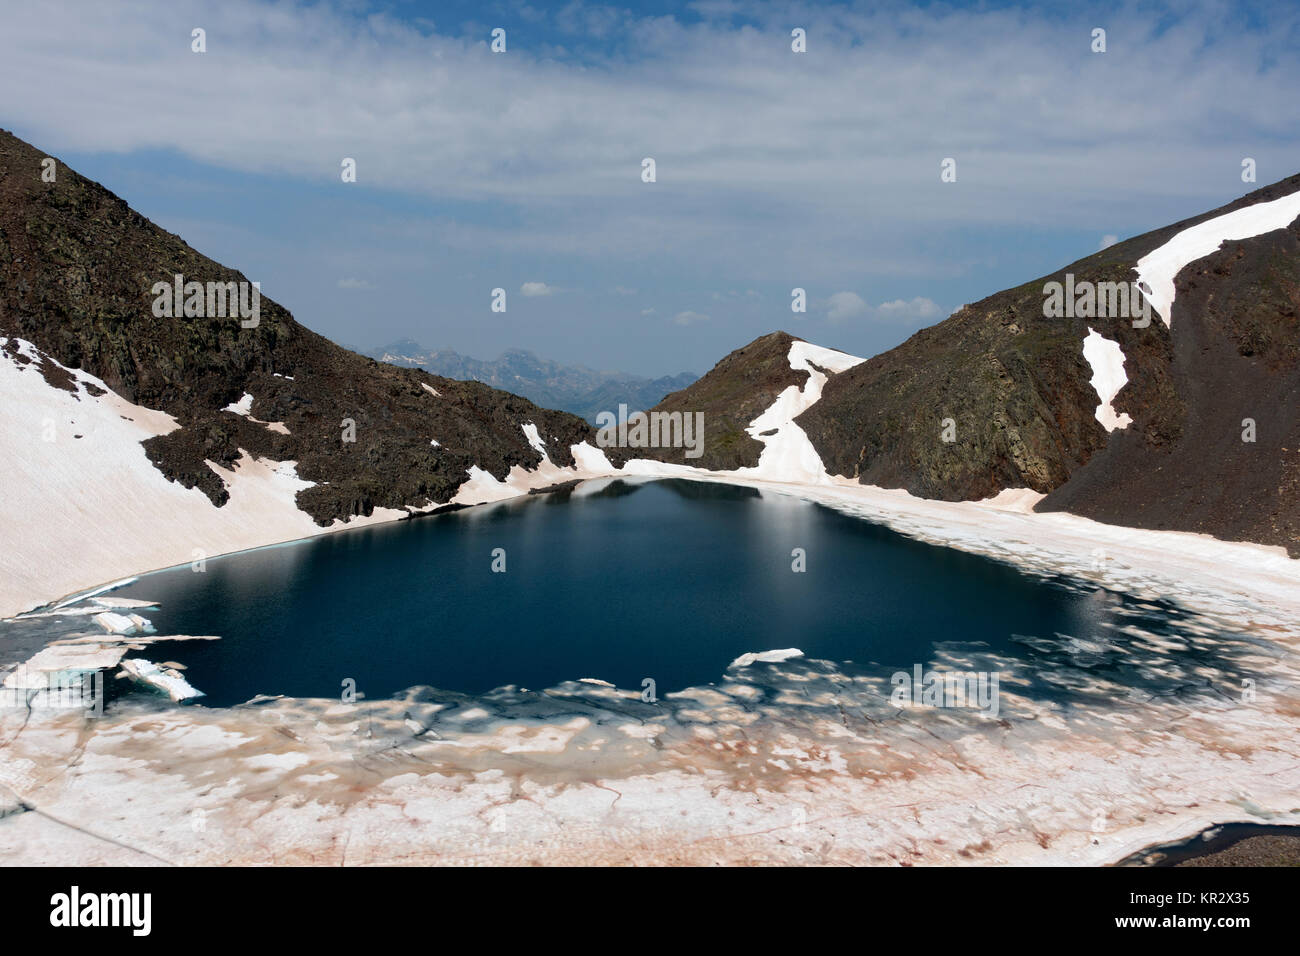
(1159,267)
(484,487)
(788,455)
(84,504)
(1019,500)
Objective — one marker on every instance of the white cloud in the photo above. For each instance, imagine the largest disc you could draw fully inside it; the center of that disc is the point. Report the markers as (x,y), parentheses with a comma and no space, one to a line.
(845,305)
(553,138)
(689,318)
(289,89)
(1107,241)
(354,284)
(647,311)
(532,289)
(850,305)
(919,309)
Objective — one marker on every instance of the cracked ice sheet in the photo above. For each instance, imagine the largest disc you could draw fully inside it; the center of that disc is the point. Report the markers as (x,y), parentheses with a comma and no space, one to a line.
(790,761)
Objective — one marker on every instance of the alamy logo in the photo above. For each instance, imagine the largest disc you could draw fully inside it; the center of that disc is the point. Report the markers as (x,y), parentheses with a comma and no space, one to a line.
(977,690)
(63,690)
(103,909)
(651,430)
(213,300)
(1096,300)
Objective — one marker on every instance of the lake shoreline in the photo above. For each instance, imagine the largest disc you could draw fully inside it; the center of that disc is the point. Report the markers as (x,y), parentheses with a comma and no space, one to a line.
(827,793)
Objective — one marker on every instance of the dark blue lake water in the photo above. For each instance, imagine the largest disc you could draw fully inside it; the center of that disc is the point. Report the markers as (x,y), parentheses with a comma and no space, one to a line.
(669,579)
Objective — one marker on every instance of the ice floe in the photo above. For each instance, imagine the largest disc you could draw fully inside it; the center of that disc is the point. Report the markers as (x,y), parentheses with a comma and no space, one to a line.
(116,623)
(64,659)
(166,679)
(767,657)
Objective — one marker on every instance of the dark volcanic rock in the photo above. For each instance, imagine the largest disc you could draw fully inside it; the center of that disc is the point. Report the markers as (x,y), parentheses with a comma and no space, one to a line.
(77,266)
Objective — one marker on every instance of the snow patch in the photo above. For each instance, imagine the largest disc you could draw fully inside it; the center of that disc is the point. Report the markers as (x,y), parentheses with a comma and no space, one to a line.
(534,439)
(1108,377)
(788,455)
(591,460)
(1159,267)
(244,406)
(241,407)
(1019,500)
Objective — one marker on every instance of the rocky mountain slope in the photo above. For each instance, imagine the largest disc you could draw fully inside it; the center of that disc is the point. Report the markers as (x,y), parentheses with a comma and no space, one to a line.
(569,388)
(1234,373)
(1001,396)
(136,440)
(731,395)
(77,266)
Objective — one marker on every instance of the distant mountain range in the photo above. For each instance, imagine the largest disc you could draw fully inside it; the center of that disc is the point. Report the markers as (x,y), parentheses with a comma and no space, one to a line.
(569,388)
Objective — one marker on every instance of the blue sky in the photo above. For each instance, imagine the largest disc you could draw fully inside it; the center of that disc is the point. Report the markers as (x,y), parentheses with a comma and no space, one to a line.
(522,170)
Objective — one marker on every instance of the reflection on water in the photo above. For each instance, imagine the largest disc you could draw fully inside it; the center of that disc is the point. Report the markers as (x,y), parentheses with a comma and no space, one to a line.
(669,580)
